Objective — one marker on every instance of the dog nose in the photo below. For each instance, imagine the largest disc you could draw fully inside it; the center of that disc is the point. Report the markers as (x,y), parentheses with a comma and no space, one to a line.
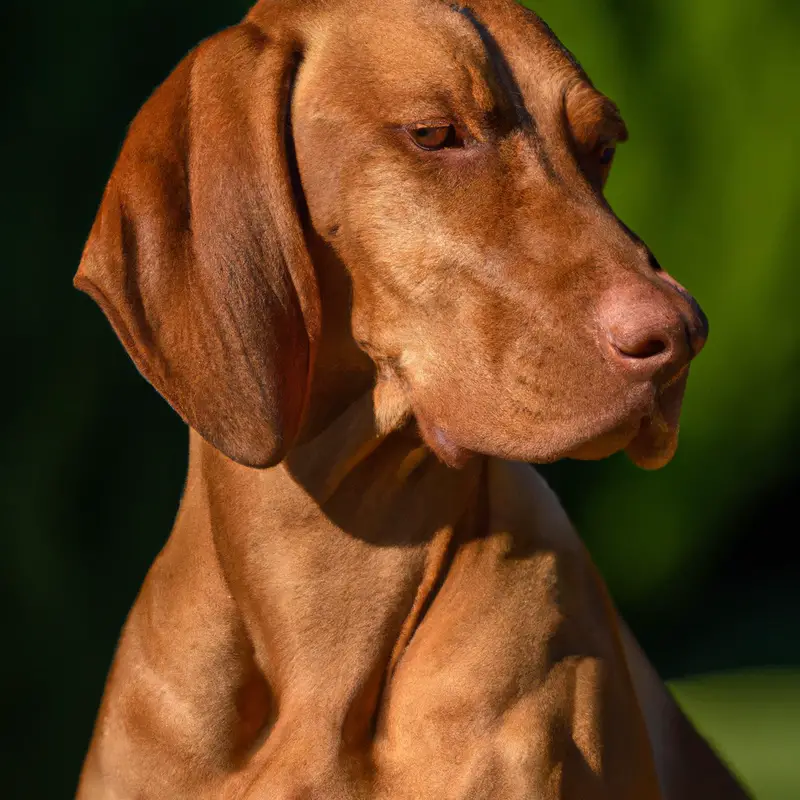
(649,332)
(698,321)
(646,345)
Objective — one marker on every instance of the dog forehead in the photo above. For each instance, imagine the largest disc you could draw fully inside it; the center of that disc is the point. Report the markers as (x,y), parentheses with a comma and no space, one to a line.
(539,63)
(401,60)
(386,61)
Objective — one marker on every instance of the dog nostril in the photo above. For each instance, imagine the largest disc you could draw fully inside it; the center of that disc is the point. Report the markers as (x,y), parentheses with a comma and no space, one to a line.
(644,348)
(653,262)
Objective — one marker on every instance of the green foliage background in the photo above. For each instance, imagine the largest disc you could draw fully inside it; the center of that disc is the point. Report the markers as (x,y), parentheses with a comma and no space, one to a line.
(697,556)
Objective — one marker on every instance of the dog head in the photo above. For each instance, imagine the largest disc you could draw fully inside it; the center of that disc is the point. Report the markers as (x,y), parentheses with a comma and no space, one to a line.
(454,159)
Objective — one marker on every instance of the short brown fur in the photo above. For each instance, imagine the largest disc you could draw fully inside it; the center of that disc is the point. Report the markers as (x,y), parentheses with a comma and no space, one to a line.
(366,594)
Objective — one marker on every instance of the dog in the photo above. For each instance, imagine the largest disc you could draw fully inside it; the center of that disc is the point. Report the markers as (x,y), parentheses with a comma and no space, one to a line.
(362,249)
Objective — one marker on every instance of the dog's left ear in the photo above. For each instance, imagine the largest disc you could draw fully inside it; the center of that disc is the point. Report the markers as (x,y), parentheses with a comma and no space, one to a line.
(197,255)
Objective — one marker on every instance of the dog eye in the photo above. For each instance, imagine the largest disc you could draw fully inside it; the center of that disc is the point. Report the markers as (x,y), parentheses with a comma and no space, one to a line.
(607,151)
(436,137)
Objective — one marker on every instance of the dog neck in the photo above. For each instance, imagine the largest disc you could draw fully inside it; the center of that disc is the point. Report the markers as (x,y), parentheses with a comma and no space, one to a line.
(334,555)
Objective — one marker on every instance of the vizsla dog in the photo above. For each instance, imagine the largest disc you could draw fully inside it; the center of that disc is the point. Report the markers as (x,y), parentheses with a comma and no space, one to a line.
(362,249)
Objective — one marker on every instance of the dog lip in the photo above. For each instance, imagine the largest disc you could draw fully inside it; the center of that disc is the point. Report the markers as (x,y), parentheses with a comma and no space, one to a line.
(656,441)
(437,439)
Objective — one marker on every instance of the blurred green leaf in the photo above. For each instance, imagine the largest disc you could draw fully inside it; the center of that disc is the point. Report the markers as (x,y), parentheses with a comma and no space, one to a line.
(753,720)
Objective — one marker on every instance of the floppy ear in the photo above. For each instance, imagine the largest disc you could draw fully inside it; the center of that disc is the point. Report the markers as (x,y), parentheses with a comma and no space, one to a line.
(197,255)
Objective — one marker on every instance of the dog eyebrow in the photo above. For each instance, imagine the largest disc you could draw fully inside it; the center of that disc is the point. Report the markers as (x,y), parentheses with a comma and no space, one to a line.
(508,83)
(505,76)
(591,114)
(612,119)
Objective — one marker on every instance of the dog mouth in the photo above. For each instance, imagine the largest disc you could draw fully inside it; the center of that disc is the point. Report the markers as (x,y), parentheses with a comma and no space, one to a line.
(656,440)
(648,435)
(647,432)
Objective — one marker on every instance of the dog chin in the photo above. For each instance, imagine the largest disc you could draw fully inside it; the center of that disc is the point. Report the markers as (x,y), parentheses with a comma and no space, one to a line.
(634,431)
(648,433)
(606,444)
(455,455)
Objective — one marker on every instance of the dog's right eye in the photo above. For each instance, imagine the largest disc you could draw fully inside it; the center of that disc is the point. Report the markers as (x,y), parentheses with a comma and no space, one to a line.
(607,154)
(436,137)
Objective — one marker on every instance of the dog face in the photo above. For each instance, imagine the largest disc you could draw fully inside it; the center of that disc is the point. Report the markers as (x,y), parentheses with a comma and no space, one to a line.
(455,160)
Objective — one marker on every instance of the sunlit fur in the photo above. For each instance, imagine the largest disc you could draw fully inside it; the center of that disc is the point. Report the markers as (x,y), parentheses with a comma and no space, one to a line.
(342,318)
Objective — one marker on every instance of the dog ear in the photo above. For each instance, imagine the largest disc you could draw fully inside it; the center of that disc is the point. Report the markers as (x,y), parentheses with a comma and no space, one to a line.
(197,255)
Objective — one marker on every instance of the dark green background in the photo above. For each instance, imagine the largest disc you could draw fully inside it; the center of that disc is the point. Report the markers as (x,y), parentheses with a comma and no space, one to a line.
(698,556)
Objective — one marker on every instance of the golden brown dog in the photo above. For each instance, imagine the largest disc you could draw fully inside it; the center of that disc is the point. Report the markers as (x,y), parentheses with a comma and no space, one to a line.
(362,248)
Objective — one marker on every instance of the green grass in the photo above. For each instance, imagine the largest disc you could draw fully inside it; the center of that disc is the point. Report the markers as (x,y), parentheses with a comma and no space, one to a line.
(753,719)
